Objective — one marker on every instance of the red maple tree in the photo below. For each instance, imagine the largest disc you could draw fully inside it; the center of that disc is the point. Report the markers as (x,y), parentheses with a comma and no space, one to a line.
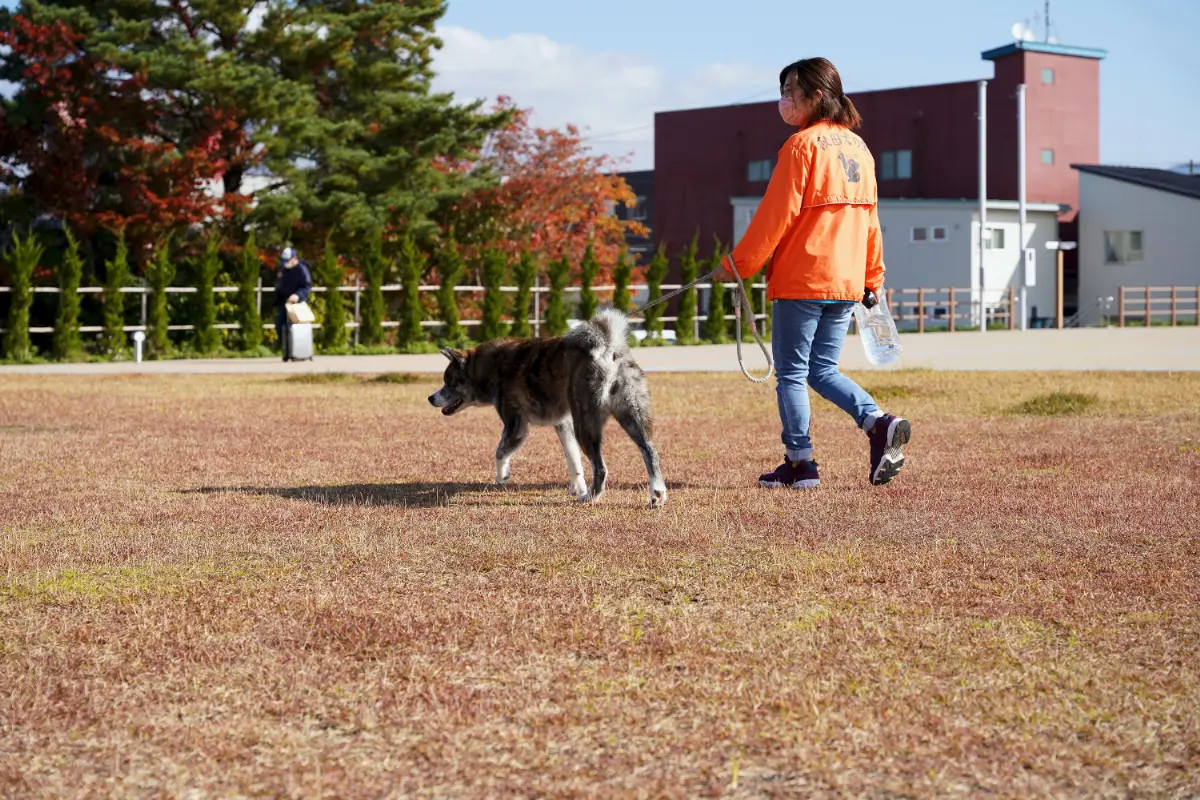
(90,143)
(553,196)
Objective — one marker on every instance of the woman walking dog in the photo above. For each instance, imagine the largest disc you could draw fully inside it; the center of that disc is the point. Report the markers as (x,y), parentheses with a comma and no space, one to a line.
(818,223)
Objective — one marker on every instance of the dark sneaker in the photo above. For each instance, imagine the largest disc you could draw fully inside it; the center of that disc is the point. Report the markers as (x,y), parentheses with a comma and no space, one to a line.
(792,475)
(888,438)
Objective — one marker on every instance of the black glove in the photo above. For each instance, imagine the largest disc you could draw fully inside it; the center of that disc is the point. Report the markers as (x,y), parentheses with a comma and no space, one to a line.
(869,300)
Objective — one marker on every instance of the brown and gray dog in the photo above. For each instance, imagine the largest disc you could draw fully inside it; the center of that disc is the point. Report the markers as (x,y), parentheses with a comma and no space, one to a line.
(572,383)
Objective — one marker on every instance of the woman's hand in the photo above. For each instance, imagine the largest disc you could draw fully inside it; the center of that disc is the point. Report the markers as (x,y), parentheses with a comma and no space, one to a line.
(293,300)
(723,275)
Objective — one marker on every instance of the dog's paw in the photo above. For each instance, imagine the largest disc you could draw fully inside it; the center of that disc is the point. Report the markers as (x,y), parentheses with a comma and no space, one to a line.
(658,498)
(577,489)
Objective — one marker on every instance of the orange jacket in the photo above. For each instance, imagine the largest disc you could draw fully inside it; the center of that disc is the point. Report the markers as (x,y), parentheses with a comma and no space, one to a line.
(819,219)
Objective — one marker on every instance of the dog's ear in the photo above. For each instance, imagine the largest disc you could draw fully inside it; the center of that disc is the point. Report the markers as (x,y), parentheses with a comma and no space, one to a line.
(456,356)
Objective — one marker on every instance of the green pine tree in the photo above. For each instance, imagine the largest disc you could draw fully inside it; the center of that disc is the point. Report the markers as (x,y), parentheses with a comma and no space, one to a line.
(374,146)
(374,309)
(67,342)
(716,327)
(410,336)
(116,276)
(208,337)
(588,270)
(556,307)
(685,326)
(655,274)
(524,273)
(332,275)
(450,271)
(23,257)
(159,274)
(494,267)
(249,272)
(622,273)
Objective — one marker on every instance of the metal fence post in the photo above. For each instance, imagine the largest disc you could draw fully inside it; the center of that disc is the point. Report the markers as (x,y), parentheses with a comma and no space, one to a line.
(537,306)
(258,297)
(357,298)
(1121,307)
(953,310)
(144,303)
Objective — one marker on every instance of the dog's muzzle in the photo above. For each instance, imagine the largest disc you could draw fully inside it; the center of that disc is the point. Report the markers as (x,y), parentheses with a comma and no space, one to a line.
(448,407)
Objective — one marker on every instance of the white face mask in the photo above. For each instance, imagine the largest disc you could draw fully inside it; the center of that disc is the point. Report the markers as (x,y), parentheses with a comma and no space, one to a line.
(788,111)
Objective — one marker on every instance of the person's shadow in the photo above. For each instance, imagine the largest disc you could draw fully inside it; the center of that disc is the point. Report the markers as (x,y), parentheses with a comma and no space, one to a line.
(411,495)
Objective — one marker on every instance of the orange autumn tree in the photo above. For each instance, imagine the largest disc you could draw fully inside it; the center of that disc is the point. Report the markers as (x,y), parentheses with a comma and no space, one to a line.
(550,195)
(99,146)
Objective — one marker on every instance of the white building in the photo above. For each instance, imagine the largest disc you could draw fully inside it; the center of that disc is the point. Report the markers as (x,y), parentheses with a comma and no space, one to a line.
(933,244)
(1137,227)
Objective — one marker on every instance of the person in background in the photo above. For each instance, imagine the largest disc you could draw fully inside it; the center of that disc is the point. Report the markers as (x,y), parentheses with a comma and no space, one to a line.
(818,224)
(293,284)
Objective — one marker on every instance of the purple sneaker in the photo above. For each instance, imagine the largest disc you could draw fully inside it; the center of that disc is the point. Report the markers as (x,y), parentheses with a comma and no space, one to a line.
(792,475)
(888,438)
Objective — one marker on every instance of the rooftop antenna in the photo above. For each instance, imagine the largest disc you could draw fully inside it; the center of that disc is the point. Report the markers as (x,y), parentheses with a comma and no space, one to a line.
(1050,38)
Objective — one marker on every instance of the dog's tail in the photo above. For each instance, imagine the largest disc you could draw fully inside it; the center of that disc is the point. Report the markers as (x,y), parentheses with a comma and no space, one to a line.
(614,334)
(605,337)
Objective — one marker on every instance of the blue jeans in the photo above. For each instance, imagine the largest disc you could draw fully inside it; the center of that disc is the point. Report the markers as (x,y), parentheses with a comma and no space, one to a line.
(807,340)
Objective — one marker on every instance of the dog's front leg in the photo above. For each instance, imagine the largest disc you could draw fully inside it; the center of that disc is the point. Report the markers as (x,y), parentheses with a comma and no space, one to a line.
(566,435)
(516,431)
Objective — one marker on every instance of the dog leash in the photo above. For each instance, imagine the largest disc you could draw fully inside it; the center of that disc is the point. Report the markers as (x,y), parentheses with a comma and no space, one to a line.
(742,299)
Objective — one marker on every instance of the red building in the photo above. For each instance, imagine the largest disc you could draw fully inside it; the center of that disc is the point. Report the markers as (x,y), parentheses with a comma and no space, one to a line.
(925,140)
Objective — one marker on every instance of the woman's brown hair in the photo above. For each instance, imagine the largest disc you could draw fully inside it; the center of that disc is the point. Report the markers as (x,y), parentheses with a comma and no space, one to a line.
(819,74)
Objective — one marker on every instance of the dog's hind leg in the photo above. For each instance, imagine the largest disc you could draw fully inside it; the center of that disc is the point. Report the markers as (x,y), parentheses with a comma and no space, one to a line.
(589,431)
(636,424)
(566,435)
(516,431)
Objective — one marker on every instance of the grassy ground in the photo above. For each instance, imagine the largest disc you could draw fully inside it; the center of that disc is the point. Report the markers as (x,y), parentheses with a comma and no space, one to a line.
(269,587)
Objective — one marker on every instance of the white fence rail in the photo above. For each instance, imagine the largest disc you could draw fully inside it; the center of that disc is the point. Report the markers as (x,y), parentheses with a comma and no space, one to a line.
(537,292)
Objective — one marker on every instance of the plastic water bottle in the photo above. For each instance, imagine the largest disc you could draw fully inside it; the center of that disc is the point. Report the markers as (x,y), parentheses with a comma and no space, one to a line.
(877,329)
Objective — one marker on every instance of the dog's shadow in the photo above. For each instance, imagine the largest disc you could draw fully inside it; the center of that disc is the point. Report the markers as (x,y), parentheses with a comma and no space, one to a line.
(411,495)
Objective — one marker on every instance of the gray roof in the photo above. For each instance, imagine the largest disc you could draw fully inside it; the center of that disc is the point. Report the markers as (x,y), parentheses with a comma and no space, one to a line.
(1162,179)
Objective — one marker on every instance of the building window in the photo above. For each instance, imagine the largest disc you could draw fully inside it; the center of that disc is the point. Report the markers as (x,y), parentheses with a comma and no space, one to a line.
(887,165)
(895,165)
(940,233)
(920,234)
(1047,75)
(1047,156)
(638,212)
(1123,247)
(759,171)
(995,239)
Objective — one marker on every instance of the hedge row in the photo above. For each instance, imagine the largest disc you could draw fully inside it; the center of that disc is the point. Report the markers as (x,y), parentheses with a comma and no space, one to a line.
(206,309)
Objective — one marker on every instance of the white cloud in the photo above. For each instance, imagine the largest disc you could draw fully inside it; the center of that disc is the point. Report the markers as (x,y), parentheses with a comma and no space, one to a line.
(611,96)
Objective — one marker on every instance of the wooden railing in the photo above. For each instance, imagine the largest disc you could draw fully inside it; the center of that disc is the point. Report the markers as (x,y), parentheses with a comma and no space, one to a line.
(947,309)
(1171,305)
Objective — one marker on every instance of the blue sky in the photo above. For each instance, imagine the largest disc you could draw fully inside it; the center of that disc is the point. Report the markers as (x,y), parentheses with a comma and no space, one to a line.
(608,66)
(680,53)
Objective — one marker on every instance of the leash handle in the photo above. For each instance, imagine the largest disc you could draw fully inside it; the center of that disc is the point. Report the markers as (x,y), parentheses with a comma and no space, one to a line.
(744,299)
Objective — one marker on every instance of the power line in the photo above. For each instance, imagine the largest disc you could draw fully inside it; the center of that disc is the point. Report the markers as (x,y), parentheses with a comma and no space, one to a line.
(601,136)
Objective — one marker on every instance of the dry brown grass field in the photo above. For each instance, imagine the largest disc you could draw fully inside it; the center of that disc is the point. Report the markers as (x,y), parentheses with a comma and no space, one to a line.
(269,587)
